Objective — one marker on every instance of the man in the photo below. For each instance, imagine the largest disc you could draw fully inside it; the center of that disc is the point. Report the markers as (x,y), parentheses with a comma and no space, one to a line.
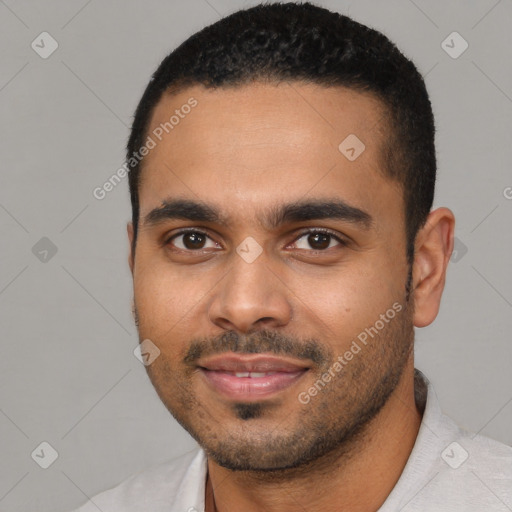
(282,251)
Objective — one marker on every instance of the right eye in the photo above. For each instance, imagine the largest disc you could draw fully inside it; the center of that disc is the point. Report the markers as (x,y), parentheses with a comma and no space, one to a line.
(191,240)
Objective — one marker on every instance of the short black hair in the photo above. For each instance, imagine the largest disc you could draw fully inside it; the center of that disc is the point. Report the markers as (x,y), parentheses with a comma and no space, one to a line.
(301,42)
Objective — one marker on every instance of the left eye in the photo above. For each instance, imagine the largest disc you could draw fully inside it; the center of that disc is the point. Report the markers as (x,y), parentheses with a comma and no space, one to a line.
(319,240)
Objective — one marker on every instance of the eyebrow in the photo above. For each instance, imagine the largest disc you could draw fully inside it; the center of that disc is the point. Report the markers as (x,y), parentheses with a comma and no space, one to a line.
(276,215)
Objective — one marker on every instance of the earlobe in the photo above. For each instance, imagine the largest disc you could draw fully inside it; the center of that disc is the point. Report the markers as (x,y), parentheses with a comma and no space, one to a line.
(433,248)
(129,229)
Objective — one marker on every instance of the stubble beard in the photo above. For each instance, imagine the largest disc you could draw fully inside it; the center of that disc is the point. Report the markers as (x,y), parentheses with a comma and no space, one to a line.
(326,430)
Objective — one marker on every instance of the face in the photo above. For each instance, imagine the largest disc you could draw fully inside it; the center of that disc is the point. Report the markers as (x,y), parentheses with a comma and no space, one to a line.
(263,246)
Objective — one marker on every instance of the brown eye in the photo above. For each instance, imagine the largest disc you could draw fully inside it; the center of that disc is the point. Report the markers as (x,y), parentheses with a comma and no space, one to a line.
(190,240)
(318,240)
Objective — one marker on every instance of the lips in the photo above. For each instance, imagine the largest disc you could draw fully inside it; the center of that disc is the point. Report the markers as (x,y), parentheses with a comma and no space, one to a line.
(250,377)
(258,363)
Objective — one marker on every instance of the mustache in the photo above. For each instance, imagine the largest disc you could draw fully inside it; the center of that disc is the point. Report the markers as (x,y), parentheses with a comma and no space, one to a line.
(263,341)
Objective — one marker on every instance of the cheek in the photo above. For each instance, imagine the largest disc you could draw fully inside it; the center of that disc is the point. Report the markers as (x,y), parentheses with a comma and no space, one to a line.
(163,298)
(344,303)
(342,309)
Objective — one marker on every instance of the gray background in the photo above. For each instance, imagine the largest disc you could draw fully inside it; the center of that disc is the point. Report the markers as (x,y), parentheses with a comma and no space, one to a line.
(68,374)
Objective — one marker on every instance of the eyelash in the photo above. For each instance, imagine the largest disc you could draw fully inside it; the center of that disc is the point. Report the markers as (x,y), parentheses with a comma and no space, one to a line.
(324,231)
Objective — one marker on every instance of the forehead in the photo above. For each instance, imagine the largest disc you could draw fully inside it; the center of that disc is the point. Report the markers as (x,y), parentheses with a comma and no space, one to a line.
(248,146)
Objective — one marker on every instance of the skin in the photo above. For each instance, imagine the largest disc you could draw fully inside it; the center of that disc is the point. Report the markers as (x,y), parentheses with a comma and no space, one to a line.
(244,150)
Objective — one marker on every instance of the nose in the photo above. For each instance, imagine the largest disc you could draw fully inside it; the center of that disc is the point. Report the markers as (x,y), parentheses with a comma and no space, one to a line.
(250,296)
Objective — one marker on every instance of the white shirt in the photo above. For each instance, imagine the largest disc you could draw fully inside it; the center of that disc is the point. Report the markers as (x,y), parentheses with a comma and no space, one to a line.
(448,470)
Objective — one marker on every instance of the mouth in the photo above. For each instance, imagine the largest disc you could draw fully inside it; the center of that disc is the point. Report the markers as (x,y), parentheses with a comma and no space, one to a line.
(251,377)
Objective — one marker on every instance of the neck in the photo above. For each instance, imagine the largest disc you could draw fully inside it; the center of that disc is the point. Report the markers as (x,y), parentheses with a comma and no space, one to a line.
(357,478)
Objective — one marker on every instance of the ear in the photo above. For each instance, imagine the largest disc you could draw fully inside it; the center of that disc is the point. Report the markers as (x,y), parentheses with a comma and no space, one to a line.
(433,249)
(129,229)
